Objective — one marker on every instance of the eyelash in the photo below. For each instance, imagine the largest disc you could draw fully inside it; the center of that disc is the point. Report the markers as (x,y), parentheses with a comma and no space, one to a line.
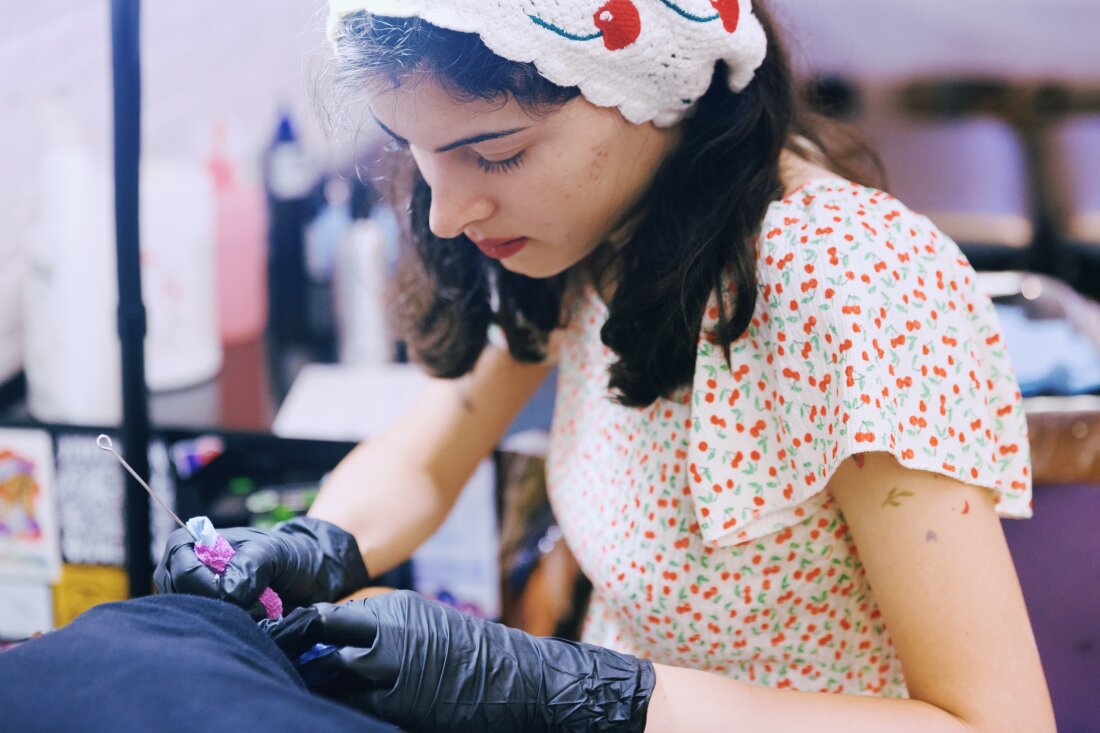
(489,166)
(501,166)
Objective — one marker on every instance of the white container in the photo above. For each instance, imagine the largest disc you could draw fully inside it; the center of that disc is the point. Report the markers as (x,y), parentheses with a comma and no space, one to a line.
(182,345)
(359,293)
(70,292)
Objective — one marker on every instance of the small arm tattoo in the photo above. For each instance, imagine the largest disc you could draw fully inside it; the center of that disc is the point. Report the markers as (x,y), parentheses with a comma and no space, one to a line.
(931,537)
(895,496)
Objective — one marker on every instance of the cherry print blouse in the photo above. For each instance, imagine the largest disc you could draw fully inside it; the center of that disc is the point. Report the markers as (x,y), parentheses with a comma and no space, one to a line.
(702,520)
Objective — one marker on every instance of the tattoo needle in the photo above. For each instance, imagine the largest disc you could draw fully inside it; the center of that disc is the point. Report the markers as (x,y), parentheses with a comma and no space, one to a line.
(104,443)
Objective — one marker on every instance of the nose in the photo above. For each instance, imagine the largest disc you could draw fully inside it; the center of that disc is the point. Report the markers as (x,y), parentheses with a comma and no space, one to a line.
(458,201)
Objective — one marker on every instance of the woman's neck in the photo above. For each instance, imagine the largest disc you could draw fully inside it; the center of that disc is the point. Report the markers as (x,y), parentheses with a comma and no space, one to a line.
(796,171)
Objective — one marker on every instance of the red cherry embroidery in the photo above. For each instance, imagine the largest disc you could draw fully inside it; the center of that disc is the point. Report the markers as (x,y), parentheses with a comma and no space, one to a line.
(619,22)
(730,11)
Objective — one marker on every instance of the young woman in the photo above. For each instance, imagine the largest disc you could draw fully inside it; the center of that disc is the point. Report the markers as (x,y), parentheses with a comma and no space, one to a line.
(763,366)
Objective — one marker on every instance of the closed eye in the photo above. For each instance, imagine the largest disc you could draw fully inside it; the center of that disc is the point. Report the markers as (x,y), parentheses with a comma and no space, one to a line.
(501,166)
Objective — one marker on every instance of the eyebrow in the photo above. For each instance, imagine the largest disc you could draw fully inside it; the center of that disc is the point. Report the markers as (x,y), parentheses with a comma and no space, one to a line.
(458,143)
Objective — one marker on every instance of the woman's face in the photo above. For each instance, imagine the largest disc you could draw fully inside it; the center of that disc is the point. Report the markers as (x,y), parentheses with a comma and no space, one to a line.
(538,193)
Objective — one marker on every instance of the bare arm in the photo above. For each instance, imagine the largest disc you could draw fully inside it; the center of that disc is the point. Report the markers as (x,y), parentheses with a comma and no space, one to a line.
(393,491)
(940,570)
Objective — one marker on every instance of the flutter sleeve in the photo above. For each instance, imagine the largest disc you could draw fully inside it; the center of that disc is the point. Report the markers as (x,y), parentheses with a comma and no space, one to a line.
(869,334)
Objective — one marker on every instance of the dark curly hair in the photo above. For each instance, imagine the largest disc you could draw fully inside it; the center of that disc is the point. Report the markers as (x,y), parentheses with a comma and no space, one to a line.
(696,224)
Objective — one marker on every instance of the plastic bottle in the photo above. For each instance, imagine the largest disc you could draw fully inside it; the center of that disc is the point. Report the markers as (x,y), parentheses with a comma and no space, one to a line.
(365,260)
(70,292)
(291,179)
(240,231)
(322,242)
(182,348)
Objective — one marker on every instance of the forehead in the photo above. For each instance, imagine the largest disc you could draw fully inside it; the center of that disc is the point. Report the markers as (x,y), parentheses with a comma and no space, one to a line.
(422,112)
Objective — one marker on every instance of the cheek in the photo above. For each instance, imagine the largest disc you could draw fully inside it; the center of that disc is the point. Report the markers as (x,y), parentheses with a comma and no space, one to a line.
(584,185)
(577,193)
(554,195)
(582,176)
(598,158)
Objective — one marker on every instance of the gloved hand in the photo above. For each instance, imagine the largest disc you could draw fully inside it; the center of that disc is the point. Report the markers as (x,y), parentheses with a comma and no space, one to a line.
(426,667)
(305,560)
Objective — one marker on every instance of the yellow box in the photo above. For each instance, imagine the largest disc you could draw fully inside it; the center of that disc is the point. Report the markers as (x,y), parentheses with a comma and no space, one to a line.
(84,586)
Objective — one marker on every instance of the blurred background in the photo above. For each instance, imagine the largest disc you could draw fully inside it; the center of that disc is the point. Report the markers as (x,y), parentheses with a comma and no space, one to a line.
(265,252)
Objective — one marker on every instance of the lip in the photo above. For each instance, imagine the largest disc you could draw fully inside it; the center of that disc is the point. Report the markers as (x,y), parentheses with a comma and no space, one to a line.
(500,249)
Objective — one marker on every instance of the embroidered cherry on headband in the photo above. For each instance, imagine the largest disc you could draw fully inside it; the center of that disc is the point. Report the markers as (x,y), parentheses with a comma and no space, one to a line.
(730,12)
(620,23)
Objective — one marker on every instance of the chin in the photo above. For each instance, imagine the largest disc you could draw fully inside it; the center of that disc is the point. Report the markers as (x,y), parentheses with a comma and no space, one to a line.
(533,269)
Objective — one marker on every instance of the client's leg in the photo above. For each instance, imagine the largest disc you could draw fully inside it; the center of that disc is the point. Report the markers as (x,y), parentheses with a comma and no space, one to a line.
(166,664)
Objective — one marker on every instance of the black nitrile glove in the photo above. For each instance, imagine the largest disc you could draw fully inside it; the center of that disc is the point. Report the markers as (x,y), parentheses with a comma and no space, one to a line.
(426,667)
(304,560)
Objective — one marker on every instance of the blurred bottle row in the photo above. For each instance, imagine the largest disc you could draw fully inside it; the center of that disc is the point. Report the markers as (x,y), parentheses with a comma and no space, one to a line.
(233,252)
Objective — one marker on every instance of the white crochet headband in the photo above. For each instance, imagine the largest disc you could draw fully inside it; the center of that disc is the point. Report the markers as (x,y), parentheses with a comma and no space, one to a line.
(650,58)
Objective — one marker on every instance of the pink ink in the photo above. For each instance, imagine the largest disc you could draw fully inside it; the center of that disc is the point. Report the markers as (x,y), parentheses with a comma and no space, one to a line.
(216,555)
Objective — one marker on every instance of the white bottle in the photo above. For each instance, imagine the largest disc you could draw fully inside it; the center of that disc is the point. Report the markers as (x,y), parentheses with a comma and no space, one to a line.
(359,294)
(70,291)
(182,344)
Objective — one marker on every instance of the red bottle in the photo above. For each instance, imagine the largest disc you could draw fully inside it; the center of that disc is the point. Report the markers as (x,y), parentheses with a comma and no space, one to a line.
(240,236)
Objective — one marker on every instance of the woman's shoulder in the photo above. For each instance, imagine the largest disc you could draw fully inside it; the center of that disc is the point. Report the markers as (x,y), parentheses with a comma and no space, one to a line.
(843,251)
(827,205)
(814,193)
(829,224)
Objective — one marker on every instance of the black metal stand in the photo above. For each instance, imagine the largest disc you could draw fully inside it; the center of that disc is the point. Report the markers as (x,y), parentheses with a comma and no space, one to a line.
(126,66)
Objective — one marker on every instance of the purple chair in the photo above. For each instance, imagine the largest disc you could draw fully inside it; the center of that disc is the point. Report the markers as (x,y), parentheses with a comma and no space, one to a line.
(1057,556)
(968,175)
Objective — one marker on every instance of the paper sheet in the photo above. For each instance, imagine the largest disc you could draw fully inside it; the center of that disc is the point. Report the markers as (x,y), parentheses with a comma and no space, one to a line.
(26,608)
(337,402)
(29,538)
